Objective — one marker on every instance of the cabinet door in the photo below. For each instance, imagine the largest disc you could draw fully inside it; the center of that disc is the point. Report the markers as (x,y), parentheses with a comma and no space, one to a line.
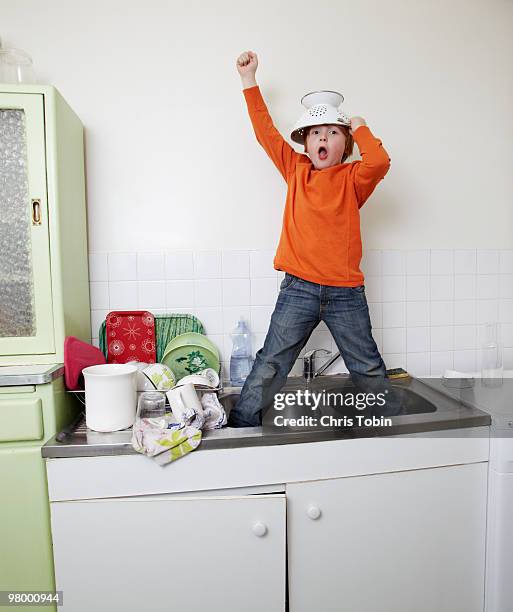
(390,542)
(26,318)
(215,554)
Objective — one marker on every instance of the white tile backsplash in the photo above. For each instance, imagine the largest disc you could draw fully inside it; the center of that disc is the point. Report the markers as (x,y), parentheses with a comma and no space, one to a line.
(417,262)
(179,265)
(442,262)
(260,317)
(464,312)
(505,311)
(97,317)
(99,295)
(150,266)
(394,288)
(506,286)
(394,340)
(371,263)
(373,288)
(442,287)
(122,267)
(98,267)
(507,359)
(212,319)
(442,312)
(465,261)
(376,314)
(505,261)
(417,287)
(263,291)
(442,338)
(465,361)
(261,264)
(394,360)
(487,310)
(417,339)
(426,307)
(235,264)
(152,295)
(180,294)
(441,361)
(393,262)
(464,286)
(417,314)
(236,291)
(123,295)
(418,364)
(487,286)
(507,334)
(464,337)
(207,264)
(208,292)
(394,314)
(487,261)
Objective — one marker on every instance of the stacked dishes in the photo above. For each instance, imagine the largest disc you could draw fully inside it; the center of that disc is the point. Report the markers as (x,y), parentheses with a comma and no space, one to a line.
(191,353)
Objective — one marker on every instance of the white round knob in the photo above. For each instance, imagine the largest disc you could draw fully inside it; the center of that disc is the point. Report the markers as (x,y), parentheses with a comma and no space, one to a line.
(259,529)
(314,512)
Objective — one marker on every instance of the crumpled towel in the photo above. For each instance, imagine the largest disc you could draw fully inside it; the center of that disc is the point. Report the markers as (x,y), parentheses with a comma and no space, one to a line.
(164,444)
(188,417)
(213,412)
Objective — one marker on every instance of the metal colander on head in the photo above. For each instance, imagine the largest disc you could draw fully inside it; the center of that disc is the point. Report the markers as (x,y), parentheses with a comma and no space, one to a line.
(322,108)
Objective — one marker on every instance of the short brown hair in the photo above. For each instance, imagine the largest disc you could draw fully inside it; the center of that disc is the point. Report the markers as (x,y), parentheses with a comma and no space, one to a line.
(348,151)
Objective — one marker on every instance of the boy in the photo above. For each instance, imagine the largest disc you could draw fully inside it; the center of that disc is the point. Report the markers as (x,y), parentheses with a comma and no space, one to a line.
(319,249)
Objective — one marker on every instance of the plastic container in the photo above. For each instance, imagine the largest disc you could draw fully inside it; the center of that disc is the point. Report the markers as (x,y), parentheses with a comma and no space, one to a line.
(491,355)
(241,361)
(110,396)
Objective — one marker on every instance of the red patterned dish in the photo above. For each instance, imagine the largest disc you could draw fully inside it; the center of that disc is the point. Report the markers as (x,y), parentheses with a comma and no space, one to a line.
(130,336)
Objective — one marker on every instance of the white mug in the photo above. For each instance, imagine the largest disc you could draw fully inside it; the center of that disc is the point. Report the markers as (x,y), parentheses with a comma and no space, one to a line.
(185,403)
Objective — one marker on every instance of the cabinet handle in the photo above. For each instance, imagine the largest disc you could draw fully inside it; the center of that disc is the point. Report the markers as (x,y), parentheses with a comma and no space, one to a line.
(36,212)
(313,512)
(259,529)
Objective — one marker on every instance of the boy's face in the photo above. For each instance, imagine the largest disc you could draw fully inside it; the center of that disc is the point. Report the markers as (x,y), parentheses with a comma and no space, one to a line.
(325,145)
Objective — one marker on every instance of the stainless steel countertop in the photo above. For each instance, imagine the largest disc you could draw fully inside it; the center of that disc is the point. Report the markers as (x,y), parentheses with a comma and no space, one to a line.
(19,375)
(453,412)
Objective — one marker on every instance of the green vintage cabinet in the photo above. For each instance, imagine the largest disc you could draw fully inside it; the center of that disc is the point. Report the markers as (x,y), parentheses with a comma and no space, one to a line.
(44,297)
(44,290)
(30,414)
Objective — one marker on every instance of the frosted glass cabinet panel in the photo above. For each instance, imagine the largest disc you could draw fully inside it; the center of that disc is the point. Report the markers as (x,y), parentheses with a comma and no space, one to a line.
(26,317)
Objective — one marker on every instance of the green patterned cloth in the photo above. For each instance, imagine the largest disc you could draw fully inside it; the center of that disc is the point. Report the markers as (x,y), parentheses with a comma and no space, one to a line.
(167,327)
(164,445)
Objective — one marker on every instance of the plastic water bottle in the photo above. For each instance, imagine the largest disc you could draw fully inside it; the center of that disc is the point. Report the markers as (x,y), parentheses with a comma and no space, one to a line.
(241,361)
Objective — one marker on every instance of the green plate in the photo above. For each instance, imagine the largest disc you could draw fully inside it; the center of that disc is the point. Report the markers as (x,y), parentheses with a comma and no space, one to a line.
(191,339)
(190,359)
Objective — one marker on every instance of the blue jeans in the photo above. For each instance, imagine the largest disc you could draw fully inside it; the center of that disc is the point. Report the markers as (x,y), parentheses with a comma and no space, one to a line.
(301,305)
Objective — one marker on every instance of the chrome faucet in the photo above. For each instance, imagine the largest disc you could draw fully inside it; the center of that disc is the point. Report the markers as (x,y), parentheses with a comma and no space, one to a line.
(309,370)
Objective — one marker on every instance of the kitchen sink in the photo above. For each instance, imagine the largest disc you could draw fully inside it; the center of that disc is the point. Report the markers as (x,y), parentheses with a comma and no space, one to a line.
(411,401)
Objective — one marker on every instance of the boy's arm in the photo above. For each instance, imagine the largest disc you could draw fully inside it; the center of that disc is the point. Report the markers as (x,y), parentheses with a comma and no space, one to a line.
(281,153)
(374,164)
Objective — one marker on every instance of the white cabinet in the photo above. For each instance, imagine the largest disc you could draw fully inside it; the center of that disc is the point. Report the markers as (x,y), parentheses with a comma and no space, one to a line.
(221,554)
(397,542)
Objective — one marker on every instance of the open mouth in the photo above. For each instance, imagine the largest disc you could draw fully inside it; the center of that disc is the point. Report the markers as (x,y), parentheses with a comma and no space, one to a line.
(323,153)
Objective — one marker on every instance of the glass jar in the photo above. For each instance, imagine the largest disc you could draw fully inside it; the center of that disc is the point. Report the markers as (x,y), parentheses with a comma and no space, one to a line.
(15,66)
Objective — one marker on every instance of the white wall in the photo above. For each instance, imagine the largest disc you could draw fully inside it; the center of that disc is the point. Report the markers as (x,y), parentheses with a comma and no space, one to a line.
(185,208)
(172,162)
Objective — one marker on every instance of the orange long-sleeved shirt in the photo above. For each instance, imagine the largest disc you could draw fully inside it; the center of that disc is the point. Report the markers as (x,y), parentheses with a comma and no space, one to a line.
(320,238)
